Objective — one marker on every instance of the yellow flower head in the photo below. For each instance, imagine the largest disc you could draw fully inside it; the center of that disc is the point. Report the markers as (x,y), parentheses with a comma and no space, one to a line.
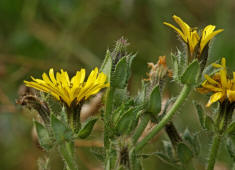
(222,87)
(191,37)
(66,90)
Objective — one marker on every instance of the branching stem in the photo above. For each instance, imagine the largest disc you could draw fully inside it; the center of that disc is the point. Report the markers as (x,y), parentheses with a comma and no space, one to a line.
(184,93)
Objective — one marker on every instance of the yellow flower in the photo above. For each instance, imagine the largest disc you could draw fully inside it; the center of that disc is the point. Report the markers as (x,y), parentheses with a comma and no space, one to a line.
(191,37)
(222,87)
(66,90)
(207,34)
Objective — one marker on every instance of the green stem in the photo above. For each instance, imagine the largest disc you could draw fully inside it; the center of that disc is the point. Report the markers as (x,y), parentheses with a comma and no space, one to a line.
(107,129)
(140,128)
(67,153)
(108,111)
(109,102)
(214,151)
(184,93)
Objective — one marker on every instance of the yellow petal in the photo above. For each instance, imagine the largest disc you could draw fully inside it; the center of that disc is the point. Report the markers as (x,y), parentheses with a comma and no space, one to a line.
(211,87)
(210,80)
(214,98)
(223,62)
(217,65)
(203,90)
(184,27)
(207,35)
(231,95)
(223,77)
(177,30)
(52,76)
(42,88)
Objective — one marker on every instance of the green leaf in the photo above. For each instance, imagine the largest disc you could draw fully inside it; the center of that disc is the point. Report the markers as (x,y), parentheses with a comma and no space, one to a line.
(166,159)
(120,74)
(130,60)
(168,149)
(175,67)
(231,129)
(87,127)
(135,163)
(179,63)
(60,130)
(192,140)
(99,153)
(188,137)
(191,74)
(209,123)
(196,144)
(154,105)
(231,148)
(184,153)
(43,136)
(127,121)
(106,67)
(200,113)
(163,157)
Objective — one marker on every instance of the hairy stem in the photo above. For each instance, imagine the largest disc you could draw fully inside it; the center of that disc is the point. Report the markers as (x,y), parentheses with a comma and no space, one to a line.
(140,128)
(108,111)
(214,151)
(67,153)
(184,93)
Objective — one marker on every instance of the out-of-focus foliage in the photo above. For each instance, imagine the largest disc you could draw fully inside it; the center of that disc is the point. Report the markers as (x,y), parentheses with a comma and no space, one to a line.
(38,34)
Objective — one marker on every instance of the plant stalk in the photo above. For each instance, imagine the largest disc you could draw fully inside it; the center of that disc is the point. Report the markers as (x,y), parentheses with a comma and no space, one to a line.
(214,150)
(108,111)
(184,93)
(140,128)
(67,153)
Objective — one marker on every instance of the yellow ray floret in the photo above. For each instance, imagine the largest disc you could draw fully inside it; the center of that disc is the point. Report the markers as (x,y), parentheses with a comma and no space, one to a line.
(191,37)
(62,88)
(207,34)
(222,87)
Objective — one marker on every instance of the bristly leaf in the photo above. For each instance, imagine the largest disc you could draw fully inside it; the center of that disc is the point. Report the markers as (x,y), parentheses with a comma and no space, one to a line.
(166,159)
(184,153)
(120,96)
(179,63)
(141,97)
(168,149)
(231,148)
(128,121)
(60,130)
(191,74)
(209,123)
(130,59)
(192,141)
(155,101)
(87,127)
(135,163)
(231,129)
(106,67)
(43,136)
(99,153)
(188,137)
(120,74)
(200,113)
(175,67)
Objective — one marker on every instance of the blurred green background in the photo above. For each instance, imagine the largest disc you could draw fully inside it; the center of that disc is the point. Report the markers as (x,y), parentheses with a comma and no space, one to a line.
(36,35)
